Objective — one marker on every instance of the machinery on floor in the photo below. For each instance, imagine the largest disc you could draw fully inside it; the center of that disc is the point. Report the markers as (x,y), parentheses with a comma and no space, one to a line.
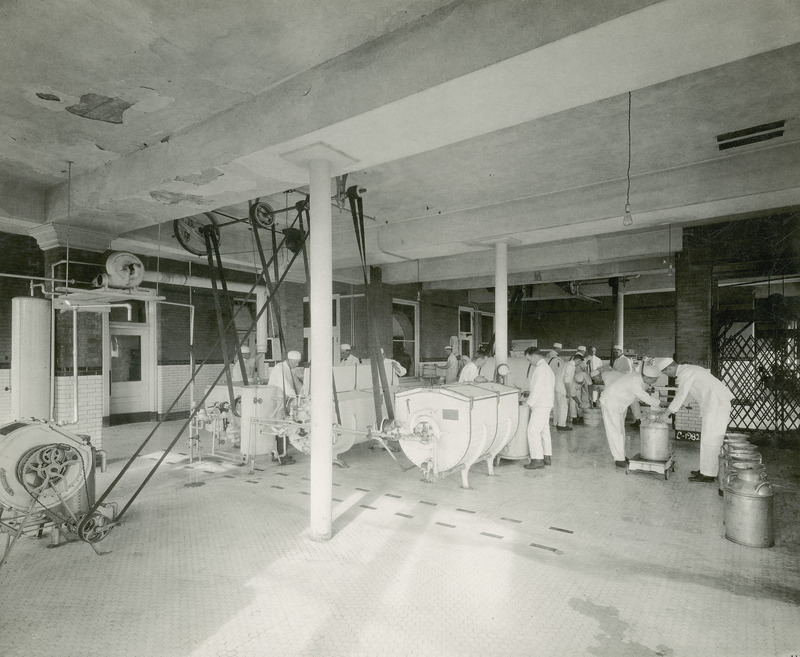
(441,430)
(47,483)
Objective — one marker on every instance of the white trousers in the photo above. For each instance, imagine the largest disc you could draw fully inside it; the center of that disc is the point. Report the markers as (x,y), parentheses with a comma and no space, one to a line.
(560,409)
(539,443)
(715,419)
(614,424)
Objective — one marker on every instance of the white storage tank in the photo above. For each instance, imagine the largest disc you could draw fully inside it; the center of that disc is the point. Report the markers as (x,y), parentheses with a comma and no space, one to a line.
(357,413)
(453,427)
(30,358)
(259,401)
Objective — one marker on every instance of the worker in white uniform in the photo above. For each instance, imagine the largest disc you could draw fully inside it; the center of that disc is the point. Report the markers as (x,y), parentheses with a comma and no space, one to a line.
(614,402)
(471,372)
(621,363)
(249,367)
(395,371)
(450,367)
(285,382)
(715,410)
(540,398)
(347,357)
(570,369)
(560,406)
(592,361)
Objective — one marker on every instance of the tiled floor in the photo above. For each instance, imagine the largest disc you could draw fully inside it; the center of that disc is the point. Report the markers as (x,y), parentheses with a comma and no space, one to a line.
(577,559)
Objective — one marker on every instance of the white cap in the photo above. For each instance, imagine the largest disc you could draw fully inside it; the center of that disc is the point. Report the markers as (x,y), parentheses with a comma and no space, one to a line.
(245,349)
(345,346)
(556,345)
(661,363)
(581,349)
(618,346)
(294,355)
(651,371)
(447,346)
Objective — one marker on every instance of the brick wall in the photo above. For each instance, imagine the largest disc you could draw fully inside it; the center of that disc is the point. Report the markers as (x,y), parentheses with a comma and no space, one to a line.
(693,286)
(90,406)
(90,343)
(688,417)
(649,324)
(172,379)
(438,317)
(20,256)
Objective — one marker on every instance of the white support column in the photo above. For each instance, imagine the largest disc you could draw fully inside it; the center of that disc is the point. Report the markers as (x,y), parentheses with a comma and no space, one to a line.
(500,303)
(321,294)
(620,319)
(320,160)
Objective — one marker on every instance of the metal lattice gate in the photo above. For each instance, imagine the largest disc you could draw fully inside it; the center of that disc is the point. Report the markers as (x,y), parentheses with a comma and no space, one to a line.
(764,376)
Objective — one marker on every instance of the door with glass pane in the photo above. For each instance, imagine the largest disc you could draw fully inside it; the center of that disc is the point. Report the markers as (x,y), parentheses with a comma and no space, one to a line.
(466,331)
(130,376)
(405,334)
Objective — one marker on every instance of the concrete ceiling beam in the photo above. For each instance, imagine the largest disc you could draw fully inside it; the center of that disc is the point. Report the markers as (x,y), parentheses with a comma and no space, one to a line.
(532,259)
(731,185)
(577,272)
(399,95)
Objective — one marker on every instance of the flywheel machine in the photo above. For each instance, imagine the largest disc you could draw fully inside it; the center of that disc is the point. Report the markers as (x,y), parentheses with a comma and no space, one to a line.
(47,482)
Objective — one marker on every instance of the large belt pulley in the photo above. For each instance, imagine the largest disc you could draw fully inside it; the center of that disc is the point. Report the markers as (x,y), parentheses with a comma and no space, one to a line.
(87,528)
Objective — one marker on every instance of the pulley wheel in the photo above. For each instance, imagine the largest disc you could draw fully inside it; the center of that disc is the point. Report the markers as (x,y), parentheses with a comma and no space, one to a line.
(191,231)
(50,469)
(95,528)
(263,214)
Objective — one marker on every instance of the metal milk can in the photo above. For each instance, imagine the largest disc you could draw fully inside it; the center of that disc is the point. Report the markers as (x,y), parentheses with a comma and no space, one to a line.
(741,449)
(753,472)
(748,512)
(654,437)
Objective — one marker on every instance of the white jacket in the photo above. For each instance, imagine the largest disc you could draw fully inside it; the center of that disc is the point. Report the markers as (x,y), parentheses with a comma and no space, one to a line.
(557,366)
(623,391)
(541,385)
(703,386)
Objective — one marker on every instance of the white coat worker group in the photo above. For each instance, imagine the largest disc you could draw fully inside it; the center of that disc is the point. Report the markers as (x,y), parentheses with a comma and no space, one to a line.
(568,377)
(693,381)
(623,390)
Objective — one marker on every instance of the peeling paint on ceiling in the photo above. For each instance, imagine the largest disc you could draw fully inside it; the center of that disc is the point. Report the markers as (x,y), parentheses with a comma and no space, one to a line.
(48,98)
(149,100)
(202,178)
(100,108)
(173,198)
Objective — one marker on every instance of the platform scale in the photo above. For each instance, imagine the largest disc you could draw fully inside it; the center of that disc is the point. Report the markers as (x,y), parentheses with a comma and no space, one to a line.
(638,462)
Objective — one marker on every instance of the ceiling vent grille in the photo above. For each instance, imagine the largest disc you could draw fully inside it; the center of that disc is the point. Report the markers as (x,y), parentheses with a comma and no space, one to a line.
(750,135)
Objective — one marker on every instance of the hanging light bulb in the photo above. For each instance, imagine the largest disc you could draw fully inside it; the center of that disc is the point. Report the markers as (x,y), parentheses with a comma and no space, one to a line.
(627,218)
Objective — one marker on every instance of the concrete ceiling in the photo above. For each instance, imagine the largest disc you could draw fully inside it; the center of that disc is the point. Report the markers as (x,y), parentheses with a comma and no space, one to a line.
(468,122)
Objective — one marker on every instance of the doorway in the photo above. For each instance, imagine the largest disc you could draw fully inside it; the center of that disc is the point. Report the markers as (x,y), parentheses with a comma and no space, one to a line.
(466,331)
(405,334)
(130,366)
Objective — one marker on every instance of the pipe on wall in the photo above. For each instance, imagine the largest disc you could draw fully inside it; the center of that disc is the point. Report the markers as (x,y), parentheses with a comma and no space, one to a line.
(184,280)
